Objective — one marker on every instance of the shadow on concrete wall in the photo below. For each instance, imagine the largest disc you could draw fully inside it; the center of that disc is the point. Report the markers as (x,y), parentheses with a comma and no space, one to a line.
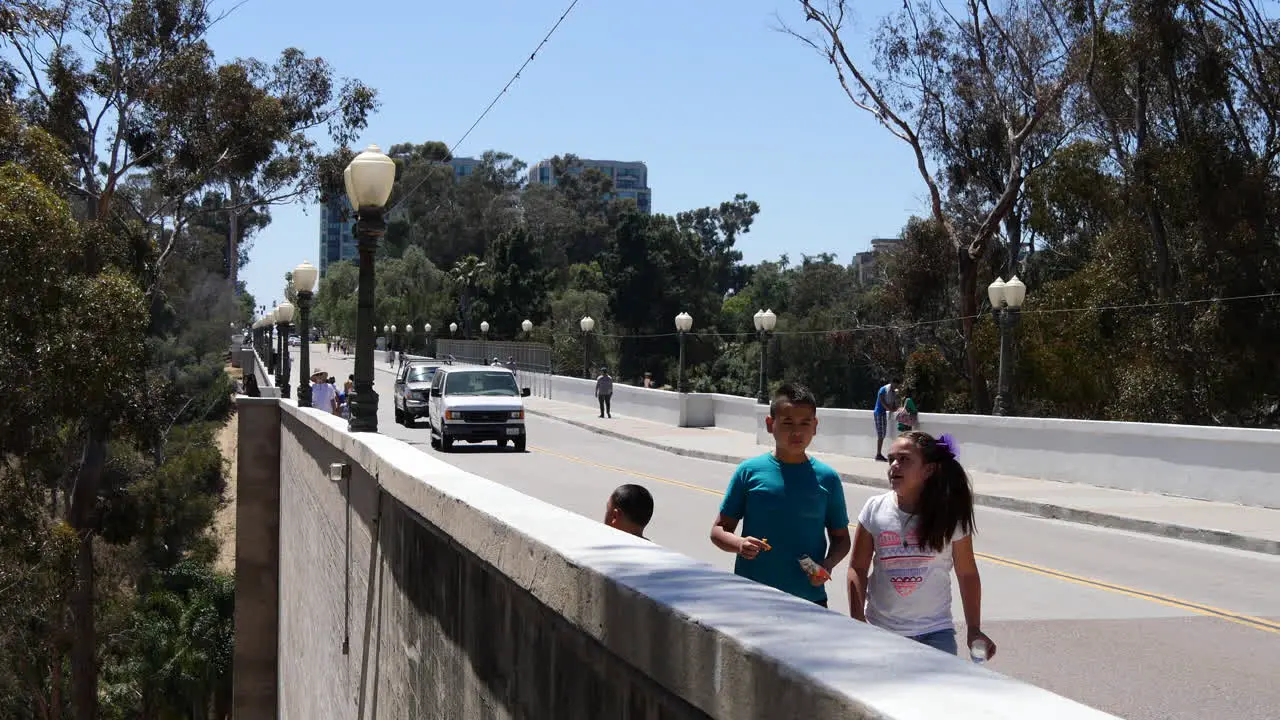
(476,638)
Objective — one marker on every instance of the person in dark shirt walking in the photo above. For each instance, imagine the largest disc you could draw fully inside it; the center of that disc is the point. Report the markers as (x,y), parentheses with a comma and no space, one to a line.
(604,392)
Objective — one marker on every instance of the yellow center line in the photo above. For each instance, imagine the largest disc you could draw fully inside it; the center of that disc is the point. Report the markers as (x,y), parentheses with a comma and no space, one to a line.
(1207,610)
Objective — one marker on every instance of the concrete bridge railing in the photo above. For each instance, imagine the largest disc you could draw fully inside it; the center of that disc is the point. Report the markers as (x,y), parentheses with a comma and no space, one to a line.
(1237,465)
(374,581)
(247,359)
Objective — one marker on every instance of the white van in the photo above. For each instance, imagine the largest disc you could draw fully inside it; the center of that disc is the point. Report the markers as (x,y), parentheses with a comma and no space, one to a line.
(476,403)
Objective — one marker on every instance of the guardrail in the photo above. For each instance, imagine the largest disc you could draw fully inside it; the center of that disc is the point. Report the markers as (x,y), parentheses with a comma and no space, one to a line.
(1223,464)
(385,582)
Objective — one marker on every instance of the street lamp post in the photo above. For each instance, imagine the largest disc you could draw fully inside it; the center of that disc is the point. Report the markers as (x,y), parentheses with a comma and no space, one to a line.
(284,316)
(426,341)
(393,345)
(269,341)
(765,321)
(527,326)
(586,324)
(408,337)
(484,341)
(368,181)
(1006,304)
(304,282)
(684,323)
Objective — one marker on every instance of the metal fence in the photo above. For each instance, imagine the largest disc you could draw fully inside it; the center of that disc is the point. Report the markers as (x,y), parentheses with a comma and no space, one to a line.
(531,361)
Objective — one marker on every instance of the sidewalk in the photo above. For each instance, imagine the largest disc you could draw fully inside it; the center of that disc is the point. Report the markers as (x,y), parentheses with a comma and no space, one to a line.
(1236,526)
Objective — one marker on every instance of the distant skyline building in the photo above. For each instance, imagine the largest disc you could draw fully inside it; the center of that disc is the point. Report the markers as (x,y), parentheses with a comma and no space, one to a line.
(337,242)
(870,270)
(630,179)
(463,166)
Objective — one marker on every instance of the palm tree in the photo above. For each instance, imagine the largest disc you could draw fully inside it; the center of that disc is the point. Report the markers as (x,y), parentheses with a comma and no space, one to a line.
(468,273)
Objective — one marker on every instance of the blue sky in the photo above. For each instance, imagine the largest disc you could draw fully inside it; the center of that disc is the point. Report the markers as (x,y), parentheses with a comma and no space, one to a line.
(707,93)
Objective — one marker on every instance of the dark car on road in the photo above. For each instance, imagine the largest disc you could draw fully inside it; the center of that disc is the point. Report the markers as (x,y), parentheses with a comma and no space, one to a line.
(413,389)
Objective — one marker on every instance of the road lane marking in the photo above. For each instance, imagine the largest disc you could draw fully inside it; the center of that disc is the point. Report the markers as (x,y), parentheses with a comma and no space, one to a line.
(1251,621)
(1207,610)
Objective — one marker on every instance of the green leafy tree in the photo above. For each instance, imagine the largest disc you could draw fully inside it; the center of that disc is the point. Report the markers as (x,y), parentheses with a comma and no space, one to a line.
(520,281)
(111,81)
(468,275)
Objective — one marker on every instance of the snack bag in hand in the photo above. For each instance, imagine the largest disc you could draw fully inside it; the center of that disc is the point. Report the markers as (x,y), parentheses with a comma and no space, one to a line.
(813,568)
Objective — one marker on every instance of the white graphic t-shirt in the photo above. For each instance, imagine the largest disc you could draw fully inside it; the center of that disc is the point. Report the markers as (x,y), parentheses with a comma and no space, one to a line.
(909,591)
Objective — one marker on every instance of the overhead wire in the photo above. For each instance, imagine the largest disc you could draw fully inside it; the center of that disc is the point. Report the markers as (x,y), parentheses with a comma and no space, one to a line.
(861,328)
(497,97)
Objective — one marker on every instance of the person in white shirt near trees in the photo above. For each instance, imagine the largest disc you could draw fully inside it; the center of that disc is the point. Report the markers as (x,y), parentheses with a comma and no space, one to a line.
(910,539)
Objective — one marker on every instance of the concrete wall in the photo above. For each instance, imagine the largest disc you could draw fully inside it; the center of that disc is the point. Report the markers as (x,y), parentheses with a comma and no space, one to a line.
(251,362)
(661,406)
(1236,465)
(417,590)
(738,413)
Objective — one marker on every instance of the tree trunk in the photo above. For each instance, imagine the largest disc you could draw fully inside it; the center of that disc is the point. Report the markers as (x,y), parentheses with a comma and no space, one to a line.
(1013,229)
(233,239)
(1146,189)
(969,311)
(55,683)
(84,642)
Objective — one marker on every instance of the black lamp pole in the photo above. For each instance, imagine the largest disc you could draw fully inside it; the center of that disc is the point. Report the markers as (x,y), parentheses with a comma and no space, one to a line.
(304,350)
(364,402)
(680,377)
(764,367)
(282,367)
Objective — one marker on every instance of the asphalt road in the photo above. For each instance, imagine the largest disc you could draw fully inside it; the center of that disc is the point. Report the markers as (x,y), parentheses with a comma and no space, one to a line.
(1139,626)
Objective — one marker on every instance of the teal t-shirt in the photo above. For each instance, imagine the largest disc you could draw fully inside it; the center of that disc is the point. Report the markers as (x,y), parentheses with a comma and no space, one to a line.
(790,505)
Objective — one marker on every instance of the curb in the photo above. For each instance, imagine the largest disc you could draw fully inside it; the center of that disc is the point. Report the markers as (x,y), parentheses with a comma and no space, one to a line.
(1001,502)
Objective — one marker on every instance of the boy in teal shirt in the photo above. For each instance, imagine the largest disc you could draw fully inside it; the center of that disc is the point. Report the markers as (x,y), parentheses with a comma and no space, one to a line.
(790,505)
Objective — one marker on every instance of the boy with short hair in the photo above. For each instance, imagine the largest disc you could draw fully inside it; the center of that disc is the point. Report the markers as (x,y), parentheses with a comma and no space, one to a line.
(791,506)
(630,508)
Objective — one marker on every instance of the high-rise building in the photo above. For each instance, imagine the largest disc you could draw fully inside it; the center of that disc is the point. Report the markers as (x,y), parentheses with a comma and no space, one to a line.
(336,239)
(463,167)
(630,179)
(870,270)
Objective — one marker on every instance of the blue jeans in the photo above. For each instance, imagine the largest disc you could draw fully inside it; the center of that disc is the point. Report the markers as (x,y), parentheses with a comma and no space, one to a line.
(944,640)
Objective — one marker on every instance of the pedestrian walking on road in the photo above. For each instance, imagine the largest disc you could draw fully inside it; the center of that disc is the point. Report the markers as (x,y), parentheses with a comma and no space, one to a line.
(886,404)
(910,539)
(630,508)
(795,526)
(604,392)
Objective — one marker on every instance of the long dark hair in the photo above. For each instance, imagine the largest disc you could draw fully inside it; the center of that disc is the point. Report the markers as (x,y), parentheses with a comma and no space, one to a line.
(946,502)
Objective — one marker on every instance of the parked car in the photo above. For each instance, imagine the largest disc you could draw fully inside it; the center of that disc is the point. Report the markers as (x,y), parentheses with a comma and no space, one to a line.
(476,403)
(413,390)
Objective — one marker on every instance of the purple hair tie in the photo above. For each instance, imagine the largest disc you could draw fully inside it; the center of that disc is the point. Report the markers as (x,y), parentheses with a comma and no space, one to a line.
(948,443)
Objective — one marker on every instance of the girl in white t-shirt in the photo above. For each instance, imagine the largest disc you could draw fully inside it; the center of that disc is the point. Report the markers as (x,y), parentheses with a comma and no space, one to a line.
(910,539)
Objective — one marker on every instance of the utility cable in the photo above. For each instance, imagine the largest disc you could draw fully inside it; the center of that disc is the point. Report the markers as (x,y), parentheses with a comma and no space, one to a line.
(925,323)
(497,97)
